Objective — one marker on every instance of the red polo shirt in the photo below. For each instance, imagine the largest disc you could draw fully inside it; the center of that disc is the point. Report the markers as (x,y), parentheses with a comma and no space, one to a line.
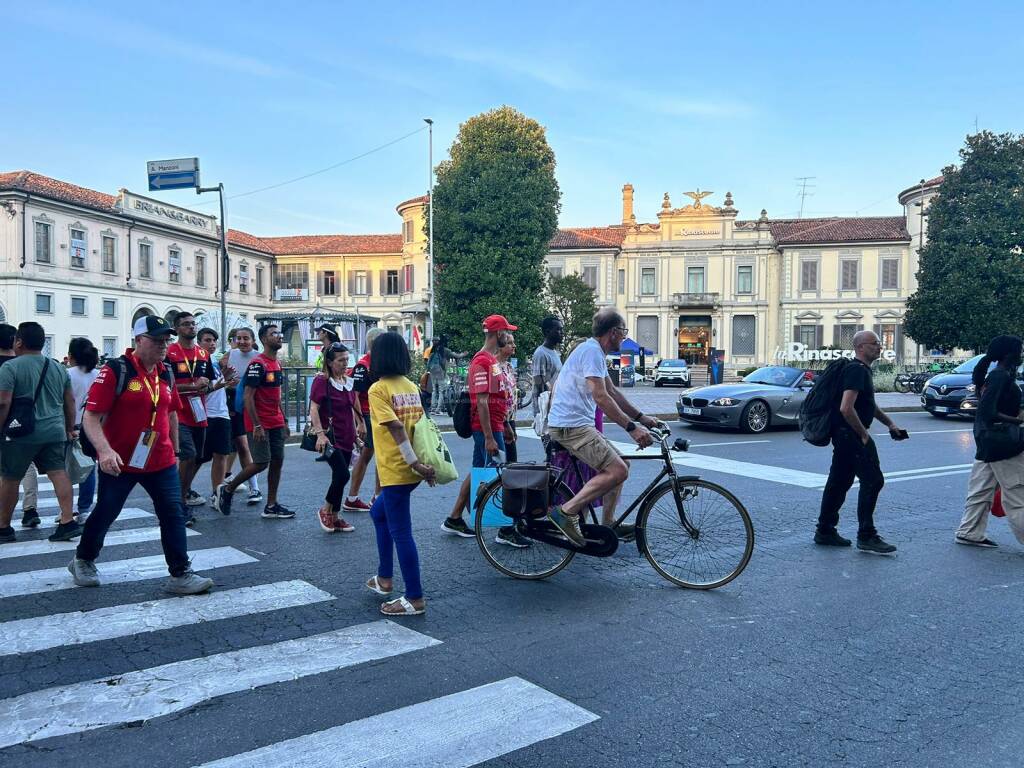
(264,376)
(187,366)
(130,414)
(485,377)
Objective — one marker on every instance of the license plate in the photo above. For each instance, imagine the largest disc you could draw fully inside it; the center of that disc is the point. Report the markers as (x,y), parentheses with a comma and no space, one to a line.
(941,409)
(691,411)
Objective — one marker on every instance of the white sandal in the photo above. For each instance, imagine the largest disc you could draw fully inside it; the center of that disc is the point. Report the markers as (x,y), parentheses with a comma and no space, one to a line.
(408,609)
(373,584)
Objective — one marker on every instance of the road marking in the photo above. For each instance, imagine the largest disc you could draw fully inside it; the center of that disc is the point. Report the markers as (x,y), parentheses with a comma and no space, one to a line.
(921,470)
(926,477)
(117,572)
(734,442)
(128,513)
(455,731)
(44,503)
(77,627)
(158,691)
(43,547)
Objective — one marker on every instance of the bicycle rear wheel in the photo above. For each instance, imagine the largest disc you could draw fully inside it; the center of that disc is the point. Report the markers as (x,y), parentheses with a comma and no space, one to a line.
(723,540)
(536,561)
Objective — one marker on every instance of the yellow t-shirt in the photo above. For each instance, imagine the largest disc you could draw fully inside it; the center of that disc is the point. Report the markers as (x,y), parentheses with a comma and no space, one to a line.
(393,399)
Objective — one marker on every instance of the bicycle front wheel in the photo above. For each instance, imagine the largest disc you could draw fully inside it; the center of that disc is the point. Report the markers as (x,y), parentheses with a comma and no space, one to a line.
(526,558)
(715,546)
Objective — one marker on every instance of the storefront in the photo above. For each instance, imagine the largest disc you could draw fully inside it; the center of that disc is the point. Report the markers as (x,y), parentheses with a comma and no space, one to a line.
(694,337)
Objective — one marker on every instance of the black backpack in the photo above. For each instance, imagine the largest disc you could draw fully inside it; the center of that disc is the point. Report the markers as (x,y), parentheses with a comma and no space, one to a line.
(462,418)
(125,372)
(818,408)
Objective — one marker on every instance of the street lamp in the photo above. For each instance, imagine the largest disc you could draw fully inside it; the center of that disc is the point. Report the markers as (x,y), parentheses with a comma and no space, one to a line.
(430,228)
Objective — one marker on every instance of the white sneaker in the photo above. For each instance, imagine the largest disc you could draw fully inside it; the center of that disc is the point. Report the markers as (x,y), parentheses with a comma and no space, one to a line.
(189,583)
(255,497)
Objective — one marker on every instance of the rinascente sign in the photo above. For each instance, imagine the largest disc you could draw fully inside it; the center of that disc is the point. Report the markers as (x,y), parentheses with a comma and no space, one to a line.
(795,352)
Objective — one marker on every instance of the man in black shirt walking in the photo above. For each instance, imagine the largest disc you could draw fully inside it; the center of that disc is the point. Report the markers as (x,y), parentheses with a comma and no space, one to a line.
(854,453)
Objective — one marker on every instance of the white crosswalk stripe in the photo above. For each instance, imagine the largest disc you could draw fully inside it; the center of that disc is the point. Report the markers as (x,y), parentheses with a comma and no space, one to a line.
(169,688)
(64,629)
(455,731)
(117,571)
(42,546)
(128,513)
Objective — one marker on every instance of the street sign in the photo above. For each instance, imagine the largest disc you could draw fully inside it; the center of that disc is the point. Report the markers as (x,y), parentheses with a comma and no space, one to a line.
(173,174)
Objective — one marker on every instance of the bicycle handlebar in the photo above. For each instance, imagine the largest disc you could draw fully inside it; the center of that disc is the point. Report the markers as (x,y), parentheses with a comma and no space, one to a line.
(663,432)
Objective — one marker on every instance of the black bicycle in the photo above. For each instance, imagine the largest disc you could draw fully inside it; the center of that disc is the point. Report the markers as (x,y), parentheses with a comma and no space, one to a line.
(694,532)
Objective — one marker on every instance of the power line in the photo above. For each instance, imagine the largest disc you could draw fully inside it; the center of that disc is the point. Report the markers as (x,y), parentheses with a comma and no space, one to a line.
(803,194)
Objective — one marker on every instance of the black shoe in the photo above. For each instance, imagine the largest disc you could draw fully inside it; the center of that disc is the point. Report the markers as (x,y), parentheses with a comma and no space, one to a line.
(986,543)
(830,539)
(510,537)
(224,499)
(7,535)
(66,532)
(876,545)
(625,532)
(193,499)
(190,521)
(457,527)
(277,511)
(30,518)
(321,457)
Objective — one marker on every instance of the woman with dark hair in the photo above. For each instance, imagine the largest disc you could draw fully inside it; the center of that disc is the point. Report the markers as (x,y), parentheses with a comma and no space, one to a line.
(999,460)
(338,424)
(437,367)
(83,358)
(394,410)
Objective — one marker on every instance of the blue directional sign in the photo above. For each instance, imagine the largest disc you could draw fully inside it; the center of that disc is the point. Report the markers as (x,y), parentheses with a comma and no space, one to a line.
(173,174)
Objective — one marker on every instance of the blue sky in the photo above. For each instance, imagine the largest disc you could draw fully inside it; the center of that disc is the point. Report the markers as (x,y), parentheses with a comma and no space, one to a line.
(740,97)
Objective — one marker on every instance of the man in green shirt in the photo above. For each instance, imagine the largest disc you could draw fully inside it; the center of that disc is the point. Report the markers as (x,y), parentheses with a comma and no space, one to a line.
(54,425)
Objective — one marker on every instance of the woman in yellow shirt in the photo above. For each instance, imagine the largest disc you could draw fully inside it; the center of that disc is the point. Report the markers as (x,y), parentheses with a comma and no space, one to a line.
(394,410)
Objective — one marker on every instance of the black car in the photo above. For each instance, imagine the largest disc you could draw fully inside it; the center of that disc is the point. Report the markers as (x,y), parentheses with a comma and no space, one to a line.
(953,392)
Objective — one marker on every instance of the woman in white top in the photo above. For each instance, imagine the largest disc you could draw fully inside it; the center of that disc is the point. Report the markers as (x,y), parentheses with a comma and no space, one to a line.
(83,358)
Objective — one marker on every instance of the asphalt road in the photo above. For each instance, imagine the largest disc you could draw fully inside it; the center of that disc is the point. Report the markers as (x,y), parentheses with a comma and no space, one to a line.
(812,657)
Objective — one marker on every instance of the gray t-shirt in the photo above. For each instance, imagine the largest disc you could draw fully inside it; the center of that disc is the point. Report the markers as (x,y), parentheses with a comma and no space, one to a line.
(573,405)
(20,376)
(546,364)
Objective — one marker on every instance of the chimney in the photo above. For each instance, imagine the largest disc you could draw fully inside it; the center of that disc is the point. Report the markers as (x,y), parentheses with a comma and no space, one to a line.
(628,217)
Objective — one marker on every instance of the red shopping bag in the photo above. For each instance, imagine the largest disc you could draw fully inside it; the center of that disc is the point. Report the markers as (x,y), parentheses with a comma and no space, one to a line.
(997,504)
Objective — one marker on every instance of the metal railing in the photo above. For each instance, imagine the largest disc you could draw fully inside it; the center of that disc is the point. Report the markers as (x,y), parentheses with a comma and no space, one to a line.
(295,386)
(695,299)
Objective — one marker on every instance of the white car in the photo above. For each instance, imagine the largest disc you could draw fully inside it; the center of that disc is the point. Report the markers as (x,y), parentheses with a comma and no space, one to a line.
(672,372)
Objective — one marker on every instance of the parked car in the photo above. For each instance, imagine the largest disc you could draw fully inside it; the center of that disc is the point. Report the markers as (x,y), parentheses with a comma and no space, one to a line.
(672,372)
(769,396)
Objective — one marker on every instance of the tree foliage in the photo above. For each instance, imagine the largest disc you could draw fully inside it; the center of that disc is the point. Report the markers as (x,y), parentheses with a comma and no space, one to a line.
(971,271)
(572,301)
(496,205)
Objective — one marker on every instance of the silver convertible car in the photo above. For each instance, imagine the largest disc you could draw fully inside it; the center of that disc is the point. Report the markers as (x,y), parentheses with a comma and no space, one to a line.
(768,396)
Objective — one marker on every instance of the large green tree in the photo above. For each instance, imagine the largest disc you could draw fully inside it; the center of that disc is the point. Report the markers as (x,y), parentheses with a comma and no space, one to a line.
(971,271)
(572,301)
(496,205)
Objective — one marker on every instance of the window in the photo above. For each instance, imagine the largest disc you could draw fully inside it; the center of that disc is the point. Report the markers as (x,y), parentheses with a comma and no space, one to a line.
(744,279)
(145,260)
(44,303)
(647,281)
(845,334)
(743,337)
(44,242)
(390,286)
(393,329)
(808,275)
(78,248)
(291,282)
(108,249)
(200,270)
(890,274)
(78,305)
(622,281)
(590,278)
(409,277)
(807,335)
(695,279)
(110,307)
(849,275)
(887,335)
(174,265)
(243,278)
(48,346)
(259,281)
(359,282)
(110,346)
(408,231)
(555,271)
(328,283)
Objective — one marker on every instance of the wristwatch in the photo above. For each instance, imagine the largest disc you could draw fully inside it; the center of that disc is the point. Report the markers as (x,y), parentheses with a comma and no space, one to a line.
(630,426)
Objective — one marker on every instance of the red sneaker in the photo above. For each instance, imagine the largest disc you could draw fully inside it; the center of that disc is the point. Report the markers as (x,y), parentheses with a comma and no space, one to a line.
(355,505)
(341,524)
(327,519)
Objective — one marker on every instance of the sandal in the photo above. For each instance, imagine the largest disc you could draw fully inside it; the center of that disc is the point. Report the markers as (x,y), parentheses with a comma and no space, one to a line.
(373,584)
(401,607)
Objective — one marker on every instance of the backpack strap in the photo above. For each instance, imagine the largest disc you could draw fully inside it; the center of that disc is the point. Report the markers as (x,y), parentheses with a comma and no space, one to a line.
(42,378)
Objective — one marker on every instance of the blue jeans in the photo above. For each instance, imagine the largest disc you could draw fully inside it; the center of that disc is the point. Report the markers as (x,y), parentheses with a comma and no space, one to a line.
(393,523)
(480,457)
(86,491)
(164,489)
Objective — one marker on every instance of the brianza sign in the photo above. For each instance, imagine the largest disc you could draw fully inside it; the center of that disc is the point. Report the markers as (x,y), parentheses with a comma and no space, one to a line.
(795,352)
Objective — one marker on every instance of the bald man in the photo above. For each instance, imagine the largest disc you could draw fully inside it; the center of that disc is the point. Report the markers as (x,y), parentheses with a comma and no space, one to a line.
(854,453)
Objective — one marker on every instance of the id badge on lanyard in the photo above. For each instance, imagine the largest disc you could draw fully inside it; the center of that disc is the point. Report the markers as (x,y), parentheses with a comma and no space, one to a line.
(198,408)
(148,437)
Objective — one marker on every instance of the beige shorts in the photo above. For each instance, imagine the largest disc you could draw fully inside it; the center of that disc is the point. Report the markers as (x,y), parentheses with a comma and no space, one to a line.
(586,444)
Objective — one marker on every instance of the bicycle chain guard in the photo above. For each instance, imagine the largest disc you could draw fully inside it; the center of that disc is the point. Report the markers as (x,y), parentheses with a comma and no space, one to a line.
(601,540)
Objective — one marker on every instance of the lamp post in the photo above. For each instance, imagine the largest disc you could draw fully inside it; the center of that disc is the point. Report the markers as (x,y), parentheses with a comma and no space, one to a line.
(224,266)
(430,227)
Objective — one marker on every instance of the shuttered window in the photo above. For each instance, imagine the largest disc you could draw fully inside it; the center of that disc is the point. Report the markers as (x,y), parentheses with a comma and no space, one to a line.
(849,278)
(890,274)
(808,276)
(744,341)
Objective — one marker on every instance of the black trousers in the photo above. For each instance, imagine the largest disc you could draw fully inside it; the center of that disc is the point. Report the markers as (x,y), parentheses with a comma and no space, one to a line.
(338,463)
(852,459)
(511,451)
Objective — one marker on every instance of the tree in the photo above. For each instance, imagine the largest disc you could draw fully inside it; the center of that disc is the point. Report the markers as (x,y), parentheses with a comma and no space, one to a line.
(971,272)
(496,205)
(572,301)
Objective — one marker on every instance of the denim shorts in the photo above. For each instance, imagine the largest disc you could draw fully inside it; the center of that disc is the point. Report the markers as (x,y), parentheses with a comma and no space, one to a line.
(480,457)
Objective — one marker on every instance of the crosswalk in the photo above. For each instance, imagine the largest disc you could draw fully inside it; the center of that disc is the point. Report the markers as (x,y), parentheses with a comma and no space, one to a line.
(455,730)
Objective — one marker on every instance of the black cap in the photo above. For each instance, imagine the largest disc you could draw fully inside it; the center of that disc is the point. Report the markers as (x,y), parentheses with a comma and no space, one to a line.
(151,325)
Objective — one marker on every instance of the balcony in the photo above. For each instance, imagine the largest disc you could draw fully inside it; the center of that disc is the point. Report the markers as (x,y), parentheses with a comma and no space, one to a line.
(691,300)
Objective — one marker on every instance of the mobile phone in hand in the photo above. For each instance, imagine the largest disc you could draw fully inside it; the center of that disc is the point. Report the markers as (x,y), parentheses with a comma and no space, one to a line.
(901,434)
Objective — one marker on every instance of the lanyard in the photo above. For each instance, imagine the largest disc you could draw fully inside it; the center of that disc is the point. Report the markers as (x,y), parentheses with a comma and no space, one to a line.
(154,395)
(195,357)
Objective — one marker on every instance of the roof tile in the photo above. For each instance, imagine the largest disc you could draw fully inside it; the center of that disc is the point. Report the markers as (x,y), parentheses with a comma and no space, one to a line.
(839,230)
(298,245)
(588,237)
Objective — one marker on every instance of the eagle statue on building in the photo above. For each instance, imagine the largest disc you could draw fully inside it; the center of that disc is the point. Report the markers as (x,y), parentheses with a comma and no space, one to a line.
(698,196)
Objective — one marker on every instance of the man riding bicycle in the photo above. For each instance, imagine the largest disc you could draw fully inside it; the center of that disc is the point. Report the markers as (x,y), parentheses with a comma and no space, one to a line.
(584,385)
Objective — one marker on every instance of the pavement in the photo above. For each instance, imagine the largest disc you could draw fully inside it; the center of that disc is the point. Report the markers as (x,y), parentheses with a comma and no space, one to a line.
(812,657)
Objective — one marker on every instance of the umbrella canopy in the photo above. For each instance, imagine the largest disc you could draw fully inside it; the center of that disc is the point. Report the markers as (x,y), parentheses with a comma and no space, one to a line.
(631,346)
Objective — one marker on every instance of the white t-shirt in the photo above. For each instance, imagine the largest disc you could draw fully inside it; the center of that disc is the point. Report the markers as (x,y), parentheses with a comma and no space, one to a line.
(80,383)
(217,403)
(573,405)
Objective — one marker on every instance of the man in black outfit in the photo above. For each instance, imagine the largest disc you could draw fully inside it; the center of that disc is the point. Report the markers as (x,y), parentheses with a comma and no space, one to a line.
(854,453)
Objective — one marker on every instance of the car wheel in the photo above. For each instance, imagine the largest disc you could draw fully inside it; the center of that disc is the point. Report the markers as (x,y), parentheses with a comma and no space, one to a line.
(755,417)
(939,415)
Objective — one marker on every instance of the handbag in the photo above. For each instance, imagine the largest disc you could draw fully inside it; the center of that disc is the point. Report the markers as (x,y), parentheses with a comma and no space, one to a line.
(308,442)
(999,440)
(21,419)
(78,465)
(432,450)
